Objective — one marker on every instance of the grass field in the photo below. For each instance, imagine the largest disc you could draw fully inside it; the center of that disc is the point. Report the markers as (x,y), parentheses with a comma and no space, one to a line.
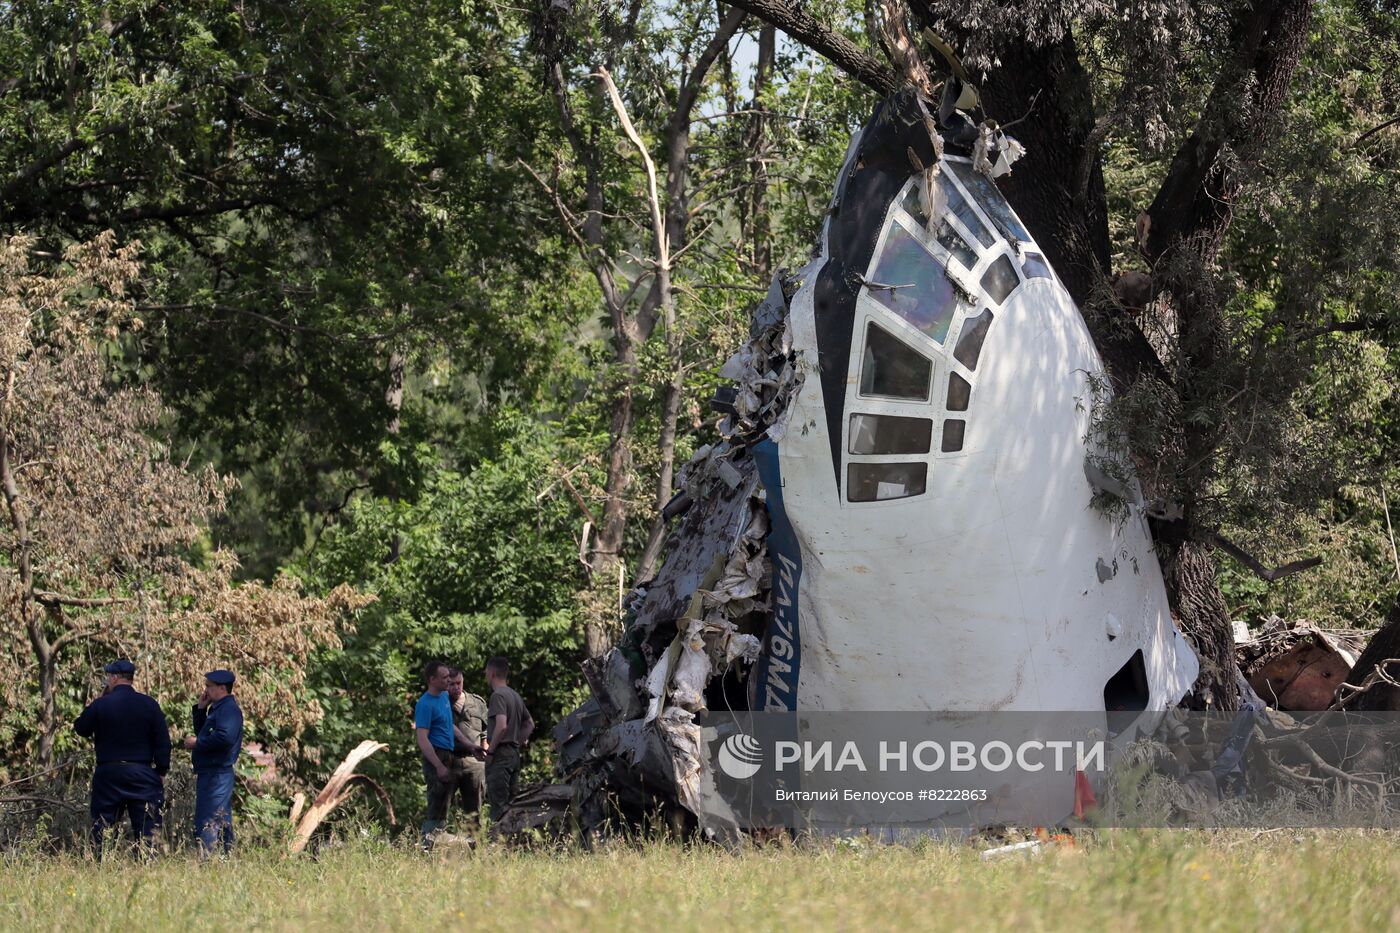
(1149,880)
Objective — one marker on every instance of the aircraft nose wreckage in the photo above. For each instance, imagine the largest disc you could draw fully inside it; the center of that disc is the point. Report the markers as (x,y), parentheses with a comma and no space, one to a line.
(897,516)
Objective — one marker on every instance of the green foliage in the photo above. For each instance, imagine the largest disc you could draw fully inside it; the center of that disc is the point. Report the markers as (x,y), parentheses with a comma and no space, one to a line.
(484,565)
(322,187)
(1299,410)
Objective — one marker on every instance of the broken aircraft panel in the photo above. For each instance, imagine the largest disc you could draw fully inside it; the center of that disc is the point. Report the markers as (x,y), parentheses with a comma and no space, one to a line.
(897,516)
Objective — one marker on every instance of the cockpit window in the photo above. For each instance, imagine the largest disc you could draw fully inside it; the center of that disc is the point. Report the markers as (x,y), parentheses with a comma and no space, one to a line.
(991,200)
(1035,266)
(953,242)
(974,331)
(1000,279)
(958,207)
(870,482)
(887,434)
(912,284)
(892,368)
(953,431)
(959,392)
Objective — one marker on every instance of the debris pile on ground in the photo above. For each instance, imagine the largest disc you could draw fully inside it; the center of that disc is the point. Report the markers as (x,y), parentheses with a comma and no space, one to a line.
(1297,666)
(693,631)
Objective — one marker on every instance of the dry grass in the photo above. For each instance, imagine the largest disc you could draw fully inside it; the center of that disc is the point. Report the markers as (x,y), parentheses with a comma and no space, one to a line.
(1144,880)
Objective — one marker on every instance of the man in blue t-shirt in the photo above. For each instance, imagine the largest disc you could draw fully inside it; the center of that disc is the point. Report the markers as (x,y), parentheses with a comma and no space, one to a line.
(436,734)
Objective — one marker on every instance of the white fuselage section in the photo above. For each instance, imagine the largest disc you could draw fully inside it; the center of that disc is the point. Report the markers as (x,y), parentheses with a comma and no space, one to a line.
(997,587)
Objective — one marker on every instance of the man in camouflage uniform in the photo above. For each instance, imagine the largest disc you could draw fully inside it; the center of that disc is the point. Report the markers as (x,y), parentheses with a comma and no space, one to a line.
(468,715)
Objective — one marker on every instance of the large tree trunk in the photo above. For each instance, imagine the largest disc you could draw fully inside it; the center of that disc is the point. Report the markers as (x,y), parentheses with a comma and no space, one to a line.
(1200,612)
(1384,646)
(48,704)
(1188,221)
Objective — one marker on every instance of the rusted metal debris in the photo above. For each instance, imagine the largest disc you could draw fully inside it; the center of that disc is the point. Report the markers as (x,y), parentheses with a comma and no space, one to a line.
(1297,666)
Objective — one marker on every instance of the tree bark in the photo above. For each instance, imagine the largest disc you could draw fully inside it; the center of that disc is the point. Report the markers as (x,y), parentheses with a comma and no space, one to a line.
(759,229)
(1187,221)
(1194,203)
(669,230)
(1383,646)
(45,653)
(1200,612)
(816,35)
(590,234)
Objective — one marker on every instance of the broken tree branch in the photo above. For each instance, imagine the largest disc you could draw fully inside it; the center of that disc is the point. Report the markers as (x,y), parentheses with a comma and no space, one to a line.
(1374,130)
(337,791)
(37,798)
(1264,573)
(1347,693)
(1390,530)
(47,598)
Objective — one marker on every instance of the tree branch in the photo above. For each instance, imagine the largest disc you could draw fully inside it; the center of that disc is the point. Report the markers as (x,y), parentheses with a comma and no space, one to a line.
(1374,130)
(816,35)
(1195,198)
(1264,573)
(44,597)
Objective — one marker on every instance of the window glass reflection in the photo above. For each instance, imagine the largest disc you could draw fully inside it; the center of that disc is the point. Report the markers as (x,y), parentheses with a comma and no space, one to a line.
(974,332)
(871,482)
(892,368)
(959,392)
(912,284)
(953,431)
(888,434)
(1000,279)
(991,201)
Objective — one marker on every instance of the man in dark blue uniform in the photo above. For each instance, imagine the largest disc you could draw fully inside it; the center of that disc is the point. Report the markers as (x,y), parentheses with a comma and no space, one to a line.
(214,748)
(133,754)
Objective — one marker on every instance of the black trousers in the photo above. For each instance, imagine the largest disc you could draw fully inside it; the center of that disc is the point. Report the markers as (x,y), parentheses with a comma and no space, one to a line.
(124,788)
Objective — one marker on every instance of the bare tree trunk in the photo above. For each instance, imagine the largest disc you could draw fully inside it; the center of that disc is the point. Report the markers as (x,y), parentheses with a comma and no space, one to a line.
(670,229)
(600,613)
(393,392)
(760,230)
(605,558)
(1201,614)
(393,398)
(1188,220)
(47,659)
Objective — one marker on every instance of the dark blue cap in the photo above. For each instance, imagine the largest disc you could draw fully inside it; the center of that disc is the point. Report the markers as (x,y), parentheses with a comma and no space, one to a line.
(221,677)
(121,666)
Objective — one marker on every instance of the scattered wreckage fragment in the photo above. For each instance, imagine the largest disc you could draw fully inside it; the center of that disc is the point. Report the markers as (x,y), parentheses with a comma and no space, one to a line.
(897,515)
(1297,667)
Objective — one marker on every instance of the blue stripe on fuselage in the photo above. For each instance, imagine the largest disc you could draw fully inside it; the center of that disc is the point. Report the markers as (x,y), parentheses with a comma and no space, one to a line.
(780,660)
